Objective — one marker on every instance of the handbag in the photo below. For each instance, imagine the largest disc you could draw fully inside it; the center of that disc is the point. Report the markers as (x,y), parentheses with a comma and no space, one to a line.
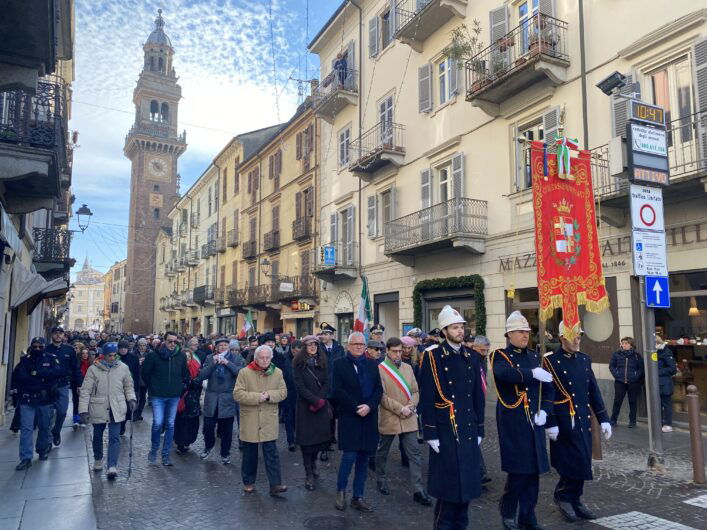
(327,405)
(182,405)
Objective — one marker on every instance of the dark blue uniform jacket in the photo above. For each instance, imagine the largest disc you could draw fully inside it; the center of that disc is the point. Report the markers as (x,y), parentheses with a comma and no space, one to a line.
(35,378)
(71,372)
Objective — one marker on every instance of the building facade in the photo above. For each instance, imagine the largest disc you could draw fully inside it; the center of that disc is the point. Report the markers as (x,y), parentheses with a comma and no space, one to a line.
(153,147)
(114,297)
(86,300)
(36,154)
(426,175)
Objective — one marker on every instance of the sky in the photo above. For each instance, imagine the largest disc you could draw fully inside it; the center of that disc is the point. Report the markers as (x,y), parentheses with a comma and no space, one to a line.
(224,61)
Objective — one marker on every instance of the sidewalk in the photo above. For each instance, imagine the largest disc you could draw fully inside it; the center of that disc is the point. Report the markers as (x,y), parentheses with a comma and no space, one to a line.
(53,494)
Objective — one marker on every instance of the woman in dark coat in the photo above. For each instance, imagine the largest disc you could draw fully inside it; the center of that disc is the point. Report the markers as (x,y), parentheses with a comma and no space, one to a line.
(313,415)
(186,424)
(666,370)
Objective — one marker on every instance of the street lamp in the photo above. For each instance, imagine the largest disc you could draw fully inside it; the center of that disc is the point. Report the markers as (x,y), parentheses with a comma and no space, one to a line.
(83,216)
(265,264)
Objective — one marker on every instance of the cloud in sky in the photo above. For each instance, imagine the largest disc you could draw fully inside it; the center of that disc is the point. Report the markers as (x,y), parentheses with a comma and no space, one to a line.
(223,58)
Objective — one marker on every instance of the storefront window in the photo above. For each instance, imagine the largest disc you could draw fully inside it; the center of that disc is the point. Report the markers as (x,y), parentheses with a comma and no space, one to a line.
(685,322)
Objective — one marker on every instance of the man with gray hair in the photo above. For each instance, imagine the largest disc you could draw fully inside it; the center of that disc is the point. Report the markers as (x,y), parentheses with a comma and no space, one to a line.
(259,388)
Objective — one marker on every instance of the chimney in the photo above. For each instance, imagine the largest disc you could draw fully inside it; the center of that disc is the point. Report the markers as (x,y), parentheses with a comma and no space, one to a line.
(313,84)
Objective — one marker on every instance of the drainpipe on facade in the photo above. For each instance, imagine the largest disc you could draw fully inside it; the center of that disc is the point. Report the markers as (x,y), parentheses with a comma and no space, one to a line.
(360,127)
(218,219)
(583,74)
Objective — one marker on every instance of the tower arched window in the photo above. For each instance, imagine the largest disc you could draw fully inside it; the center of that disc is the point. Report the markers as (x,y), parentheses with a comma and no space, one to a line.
(152,63)
(165,113)
(160,64)
(154,110)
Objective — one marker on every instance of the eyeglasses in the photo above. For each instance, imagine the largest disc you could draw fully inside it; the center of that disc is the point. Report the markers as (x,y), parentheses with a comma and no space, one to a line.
(356,344)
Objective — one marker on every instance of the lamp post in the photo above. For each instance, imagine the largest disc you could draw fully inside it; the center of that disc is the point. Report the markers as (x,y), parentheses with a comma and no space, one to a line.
(83,216)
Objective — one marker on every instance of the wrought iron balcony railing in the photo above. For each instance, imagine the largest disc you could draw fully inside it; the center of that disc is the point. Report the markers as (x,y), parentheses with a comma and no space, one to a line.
(192,258)
(51,245)
(539,35)
(219,295)
(208,249)
(221,243)
(459,217)
(182,264)
(250,249)
(302,228)
(336,259)
(271,241)
(38,121)
(336,82)
(302,287)
(258,294)
(417,20)
(384,137)
(232,238)
(234,297)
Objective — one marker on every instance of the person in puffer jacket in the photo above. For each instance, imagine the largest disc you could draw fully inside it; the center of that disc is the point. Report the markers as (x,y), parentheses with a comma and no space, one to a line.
(666,370)
(627,368)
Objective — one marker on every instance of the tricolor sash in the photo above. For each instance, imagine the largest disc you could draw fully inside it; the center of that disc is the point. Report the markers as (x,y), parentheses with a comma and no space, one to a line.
(393,372)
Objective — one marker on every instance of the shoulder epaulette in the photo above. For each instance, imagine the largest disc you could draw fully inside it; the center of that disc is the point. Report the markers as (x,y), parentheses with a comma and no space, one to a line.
(432,347)
(548,354)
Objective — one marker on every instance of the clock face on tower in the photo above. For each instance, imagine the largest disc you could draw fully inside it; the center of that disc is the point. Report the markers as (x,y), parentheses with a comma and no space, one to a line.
(158,167)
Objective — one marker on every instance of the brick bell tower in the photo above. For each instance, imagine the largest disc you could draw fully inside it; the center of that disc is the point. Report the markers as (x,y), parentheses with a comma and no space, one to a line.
(153,146)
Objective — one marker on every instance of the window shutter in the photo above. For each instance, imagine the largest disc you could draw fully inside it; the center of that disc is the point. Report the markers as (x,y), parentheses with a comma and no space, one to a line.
(235,222)
(309,201)
(498,25)
(699,69)
(333,228)
(225,183)
(351,56)
(278,162)
(310,138)
(547,7)
(453,76)
(234,274)
(551,124)
(236,182)
(373,37)
(223,227)
(256,179)
(372,216)
(298,204)
(298,146)
(393,204)
(276,217)
(458,176)
(519,160)
(393,26)
(250,181)
(271,166)
(425,188)
(619,106)
(424,81)
(349,235)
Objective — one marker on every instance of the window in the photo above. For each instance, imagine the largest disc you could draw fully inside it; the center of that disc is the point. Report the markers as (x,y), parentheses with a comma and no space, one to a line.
(386,207)
(385,111)
(446,71)
(209,202)
(387,25)
(154,110)
(225,183)
(444,184)
(156,187)
(344,139)
(236,183)
(671,88)
(251,277)
(156,213)
(530,131)
(526,11)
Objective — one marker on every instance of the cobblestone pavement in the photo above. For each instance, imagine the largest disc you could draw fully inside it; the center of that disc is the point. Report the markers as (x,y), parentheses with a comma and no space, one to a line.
(195,494)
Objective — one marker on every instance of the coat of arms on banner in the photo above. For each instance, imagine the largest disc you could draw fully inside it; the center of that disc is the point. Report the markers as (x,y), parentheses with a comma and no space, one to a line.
(565,235)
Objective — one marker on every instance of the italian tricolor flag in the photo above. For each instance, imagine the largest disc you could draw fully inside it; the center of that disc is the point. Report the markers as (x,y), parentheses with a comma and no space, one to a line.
(392,371)
(247,325)
(363,315)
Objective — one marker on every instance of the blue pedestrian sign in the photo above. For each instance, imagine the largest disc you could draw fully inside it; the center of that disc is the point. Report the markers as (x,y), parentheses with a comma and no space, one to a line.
(657,291)
(330,256)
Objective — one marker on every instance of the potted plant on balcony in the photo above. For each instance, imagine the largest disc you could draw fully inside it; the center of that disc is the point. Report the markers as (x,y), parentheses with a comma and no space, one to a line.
(505,42)
(499,65)
(542,38)
(466,46)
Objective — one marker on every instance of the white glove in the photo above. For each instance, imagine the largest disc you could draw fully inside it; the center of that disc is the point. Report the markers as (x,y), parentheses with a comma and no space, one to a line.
(606,429)
(434,444)
(552,433)
(542,375)
(479,438)
(540,418)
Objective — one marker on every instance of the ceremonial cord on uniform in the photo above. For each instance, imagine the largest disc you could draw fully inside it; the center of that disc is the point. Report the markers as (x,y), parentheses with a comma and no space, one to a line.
(447,403)
(522,395)
(563,391)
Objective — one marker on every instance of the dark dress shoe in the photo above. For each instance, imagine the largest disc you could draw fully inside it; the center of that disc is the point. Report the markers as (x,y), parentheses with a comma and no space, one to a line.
(383,488)
(24,464)
(56,439)
(291,448)
(361,505)
(421,498)
(276,490)
(510,524)
(44,456)
(567,511)
(632,425)
(585,513)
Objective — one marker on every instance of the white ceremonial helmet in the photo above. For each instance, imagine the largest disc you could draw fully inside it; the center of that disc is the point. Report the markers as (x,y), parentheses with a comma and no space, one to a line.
(449,316)
(563,329)
(517,322)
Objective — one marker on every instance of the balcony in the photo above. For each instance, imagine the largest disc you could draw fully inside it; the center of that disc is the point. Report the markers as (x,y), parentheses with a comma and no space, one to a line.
(220,296)
(334,93)
(33,145)
(194,220)
(232,238)
(336,261)
(536,50)
(189,300)
(235,297)
(271,241)
(182,264)
(170,269)
(416,20)
(456,223)
(250,249)
(258,295)
(302,228)
(180,301)
(192,258)
(51,252)
(208,249)
(183,229)
(295,288)
(221,243)
(204,295)
(62,208)
(377,147)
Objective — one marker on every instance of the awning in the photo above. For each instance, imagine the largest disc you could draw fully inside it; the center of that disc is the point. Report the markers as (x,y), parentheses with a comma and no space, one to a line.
(296,315)
(55,288)
(29,287)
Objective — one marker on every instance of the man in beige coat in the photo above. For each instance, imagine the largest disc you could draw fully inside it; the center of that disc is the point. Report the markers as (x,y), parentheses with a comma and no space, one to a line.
(397,416)
(259,388)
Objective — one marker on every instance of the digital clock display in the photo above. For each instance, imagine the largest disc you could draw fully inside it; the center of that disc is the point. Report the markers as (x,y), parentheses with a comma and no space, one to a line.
(647,113)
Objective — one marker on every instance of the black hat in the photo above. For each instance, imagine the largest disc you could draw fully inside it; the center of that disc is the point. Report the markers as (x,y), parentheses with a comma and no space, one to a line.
(57,328)
(327,328)
(266,337)
(221,339)
(38,340)
(252,338)
(123,344)
(434,332)
(378,328)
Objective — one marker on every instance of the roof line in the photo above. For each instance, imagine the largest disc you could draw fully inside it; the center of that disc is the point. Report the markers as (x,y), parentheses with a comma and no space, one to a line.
(328,23)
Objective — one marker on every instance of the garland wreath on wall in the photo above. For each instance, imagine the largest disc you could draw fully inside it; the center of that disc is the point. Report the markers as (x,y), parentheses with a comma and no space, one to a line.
(456,282)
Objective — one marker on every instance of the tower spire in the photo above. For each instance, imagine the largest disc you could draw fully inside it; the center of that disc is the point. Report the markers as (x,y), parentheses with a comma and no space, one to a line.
(86,264)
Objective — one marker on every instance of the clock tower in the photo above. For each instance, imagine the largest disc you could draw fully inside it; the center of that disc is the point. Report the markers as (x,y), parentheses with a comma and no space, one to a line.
(153,147)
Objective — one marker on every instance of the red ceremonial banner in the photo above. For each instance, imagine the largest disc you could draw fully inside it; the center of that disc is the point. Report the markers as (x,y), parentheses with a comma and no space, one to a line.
(566,240)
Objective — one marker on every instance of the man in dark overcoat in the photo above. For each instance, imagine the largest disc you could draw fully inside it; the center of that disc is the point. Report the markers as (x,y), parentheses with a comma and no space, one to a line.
(452,410)
(569,427)
(525,399)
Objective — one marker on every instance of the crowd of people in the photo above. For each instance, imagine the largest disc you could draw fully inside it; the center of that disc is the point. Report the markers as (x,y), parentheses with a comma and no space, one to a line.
(424,388)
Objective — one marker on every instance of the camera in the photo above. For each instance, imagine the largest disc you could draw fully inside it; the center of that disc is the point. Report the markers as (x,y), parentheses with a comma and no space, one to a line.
(611,83)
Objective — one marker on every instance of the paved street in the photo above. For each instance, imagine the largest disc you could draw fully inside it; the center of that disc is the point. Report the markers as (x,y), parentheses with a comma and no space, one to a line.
(195,494)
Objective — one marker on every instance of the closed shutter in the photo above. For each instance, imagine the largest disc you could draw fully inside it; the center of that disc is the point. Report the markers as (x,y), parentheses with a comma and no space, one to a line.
(223,227)
(234,274)
(274,271)
(250,181)
(393,18)
(551,124)
(236,182)
(256,179)
(333,228)
(309,201)
(298,146)
(424,81)
(305,263)
(498,25)
(547,7)
(276,218)
(373,37)
(278,162)
(372,209)
(619,106)
(425,188)
(223,276)
(350,57)
(298,204)
(349,235)
(458,176)
(453,76)
(235,223)
(271,166)
(225,183)
(393,204)
(699,69)
(253,230)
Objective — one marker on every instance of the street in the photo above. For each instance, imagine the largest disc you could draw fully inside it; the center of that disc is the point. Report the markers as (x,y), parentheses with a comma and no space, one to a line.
(195,494)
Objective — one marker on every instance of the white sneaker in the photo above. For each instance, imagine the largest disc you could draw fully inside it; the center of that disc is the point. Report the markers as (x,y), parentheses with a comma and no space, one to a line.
(112,473)
(98,465)
(667,428)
